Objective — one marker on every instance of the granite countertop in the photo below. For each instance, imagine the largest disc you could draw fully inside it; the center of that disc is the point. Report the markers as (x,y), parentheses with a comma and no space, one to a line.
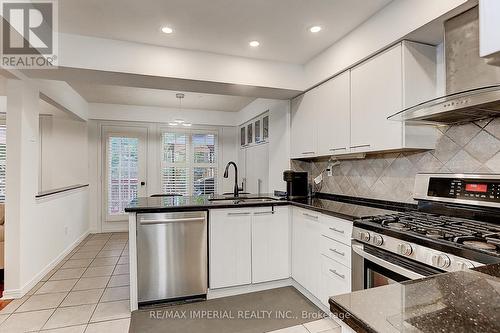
(202,202)
(465,301)
(348,208)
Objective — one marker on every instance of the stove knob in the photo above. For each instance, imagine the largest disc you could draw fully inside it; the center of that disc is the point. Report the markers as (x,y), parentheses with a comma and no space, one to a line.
(378,240)
(364,236)
(405,249)
(441,260)
(464,264)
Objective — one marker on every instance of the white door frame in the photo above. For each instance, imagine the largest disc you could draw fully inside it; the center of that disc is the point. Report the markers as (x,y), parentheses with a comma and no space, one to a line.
(126,130)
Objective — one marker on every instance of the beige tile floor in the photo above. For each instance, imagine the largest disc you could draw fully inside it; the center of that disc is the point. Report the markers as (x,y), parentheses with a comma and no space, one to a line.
(87,292)
(325,325)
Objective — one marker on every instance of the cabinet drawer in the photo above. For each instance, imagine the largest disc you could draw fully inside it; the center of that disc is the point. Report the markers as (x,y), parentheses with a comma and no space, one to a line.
(337,229)
(335,279)
(336,250)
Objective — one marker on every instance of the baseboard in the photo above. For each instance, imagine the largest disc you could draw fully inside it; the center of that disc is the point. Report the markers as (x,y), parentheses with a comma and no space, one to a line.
(18,293)
(249,288)
(310,296)
(119,227)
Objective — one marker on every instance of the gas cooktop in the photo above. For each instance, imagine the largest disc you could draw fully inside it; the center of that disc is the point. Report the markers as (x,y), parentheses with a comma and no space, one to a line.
(475,235)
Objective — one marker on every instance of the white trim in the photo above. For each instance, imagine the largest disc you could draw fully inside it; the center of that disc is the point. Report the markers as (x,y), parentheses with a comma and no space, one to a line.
(309,296)
(249,288)
(128,130)
(18,293)
(132,253)
(59,195)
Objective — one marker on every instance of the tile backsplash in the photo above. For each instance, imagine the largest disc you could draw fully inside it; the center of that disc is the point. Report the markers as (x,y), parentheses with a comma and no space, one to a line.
(471,147)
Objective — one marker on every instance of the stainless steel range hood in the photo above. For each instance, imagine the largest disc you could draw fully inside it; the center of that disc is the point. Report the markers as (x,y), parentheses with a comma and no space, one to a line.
(472,85)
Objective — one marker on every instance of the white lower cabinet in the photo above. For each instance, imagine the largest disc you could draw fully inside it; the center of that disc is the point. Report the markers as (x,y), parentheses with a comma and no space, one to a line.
(252,245)
(248,246)
(270,244)
(335,279)
(230,248)
(321,253)
(305,249)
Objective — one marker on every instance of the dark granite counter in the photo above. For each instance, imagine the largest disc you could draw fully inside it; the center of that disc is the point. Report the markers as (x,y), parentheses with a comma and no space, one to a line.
(191,203)
(348,208)
(465,301)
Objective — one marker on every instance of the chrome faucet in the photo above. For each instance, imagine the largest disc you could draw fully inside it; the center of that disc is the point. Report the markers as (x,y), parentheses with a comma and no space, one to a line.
(226,175)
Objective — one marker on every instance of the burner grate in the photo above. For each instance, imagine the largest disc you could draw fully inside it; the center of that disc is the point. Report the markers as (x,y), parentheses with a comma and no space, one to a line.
(477,235)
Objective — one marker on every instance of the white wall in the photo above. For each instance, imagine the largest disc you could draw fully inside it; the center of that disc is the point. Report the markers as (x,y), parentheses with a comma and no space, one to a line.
(152,114)
(38,233)
(63,152)
(78,51)
(227,152)
(279,136)
(61,222)
(386,27)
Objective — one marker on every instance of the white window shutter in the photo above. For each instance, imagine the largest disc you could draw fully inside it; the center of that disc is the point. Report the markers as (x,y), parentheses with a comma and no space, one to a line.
(189,162)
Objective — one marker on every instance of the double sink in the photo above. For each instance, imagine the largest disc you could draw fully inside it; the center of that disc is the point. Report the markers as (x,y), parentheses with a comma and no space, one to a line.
(242,200)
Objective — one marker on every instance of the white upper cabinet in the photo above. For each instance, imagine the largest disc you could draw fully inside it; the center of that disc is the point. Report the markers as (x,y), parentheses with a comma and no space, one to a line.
(397,78)
(348,113)
(489,21)
(333,114)
(376,93)
(320,120)
(303,128)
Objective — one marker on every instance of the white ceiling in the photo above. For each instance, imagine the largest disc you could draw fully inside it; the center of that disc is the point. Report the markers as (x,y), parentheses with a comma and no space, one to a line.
(161,98)
(222,26)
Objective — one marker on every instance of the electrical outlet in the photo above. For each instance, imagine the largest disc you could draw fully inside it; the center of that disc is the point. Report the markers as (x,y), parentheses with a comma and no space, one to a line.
(329,170)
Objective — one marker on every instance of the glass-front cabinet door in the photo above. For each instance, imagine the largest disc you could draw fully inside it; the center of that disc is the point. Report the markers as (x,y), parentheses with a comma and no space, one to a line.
(258,134)
(265,128)
(250,133)
(243,136)
(255,131)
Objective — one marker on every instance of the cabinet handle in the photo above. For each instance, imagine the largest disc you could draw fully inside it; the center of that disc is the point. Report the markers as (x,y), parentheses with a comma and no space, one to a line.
(236,214)
(308,152)
(335,149)
(360,146)
(342,276)
(311,216)
(338,252)
(337,230)
(263,213)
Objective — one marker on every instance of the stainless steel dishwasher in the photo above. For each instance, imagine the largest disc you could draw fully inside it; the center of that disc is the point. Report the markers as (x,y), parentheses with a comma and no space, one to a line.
(172,259)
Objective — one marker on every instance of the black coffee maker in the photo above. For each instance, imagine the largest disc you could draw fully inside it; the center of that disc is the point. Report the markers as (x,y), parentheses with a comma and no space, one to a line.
(296,184)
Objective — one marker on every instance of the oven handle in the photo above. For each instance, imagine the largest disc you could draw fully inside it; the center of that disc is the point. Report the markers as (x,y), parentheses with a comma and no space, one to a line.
(358,248)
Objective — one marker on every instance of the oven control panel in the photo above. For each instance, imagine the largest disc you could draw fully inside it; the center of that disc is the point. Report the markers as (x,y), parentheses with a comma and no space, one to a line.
(443,261)
(465,189)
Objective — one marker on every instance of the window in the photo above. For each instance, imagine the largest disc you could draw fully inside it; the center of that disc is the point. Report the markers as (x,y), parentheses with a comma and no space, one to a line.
(123,172)
(3,160)
(189,162)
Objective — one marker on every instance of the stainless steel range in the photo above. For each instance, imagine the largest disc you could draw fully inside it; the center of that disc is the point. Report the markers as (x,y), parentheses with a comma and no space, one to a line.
(456,226)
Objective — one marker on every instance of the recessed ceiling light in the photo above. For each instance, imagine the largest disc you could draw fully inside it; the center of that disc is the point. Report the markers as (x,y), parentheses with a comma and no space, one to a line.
(179,121)
(254,43)
(187,124)
(315,29)
(167,30)
(173,124)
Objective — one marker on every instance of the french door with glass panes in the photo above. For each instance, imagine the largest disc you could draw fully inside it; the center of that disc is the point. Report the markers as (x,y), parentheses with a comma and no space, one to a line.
(124,170)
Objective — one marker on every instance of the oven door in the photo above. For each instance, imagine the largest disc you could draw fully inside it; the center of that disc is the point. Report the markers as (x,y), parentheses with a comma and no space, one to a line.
(372,267)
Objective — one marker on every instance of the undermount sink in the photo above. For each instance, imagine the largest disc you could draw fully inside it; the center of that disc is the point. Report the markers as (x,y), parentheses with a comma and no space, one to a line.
(252,200)
(236,201)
